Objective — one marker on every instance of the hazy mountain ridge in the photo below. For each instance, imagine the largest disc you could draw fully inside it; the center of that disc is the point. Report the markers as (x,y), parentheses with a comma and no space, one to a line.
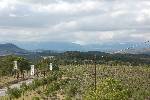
(9,48)
(67,46)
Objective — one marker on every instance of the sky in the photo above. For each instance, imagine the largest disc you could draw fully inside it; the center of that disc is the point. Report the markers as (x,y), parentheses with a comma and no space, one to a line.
(75,21)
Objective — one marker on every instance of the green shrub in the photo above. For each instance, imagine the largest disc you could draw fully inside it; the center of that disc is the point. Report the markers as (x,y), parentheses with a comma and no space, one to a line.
(35,98)
(14,93)
(109,89)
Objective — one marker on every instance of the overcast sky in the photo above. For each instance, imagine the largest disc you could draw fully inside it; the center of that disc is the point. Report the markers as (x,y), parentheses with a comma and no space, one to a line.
(76,21)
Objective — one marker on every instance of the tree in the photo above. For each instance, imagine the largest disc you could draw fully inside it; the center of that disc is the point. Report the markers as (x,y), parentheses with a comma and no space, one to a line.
(42,65)
(7,65)
(23,65)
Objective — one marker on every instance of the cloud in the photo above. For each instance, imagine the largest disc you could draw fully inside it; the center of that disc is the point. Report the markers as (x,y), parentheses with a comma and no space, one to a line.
(77,21)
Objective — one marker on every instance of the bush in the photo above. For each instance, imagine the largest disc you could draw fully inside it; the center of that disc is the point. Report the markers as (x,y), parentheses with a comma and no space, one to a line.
(35,98)
(14,93)
(52,88)
(109,89)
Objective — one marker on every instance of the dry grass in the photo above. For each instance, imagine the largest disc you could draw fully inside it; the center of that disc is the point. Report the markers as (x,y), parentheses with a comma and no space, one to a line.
(5,79)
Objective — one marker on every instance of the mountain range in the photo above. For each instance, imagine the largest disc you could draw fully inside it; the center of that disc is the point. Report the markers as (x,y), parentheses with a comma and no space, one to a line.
(68,46)
(26,48)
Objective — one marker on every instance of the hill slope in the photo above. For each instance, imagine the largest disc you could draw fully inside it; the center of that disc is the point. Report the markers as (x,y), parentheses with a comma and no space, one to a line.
(8,49)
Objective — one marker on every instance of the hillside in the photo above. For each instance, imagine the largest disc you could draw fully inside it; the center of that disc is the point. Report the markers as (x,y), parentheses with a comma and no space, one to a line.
(8,49)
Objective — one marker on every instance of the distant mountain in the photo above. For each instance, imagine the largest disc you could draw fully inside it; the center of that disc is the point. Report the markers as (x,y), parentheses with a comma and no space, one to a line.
(143,51)
(9,48)
(67,46)
(55,46)
(132,48)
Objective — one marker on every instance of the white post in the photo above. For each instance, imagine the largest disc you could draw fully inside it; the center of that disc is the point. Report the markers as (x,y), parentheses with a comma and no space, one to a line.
(15,65)
(32,70)
(51,66)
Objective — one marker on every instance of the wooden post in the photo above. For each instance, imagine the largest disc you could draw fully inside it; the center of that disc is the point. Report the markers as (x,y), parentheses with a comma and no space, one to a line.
(95,72)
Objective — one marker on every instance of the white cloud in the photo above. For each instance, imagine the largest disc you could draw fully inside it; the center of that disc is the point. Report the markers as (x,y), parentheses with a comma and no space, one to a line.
(78,21)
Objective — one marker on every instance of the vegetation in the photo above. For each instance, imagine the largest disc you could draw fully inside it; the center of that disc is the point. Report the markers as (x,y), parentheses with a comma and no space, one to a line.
(108,89)
(14,93)
(7,65)
(73,78)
